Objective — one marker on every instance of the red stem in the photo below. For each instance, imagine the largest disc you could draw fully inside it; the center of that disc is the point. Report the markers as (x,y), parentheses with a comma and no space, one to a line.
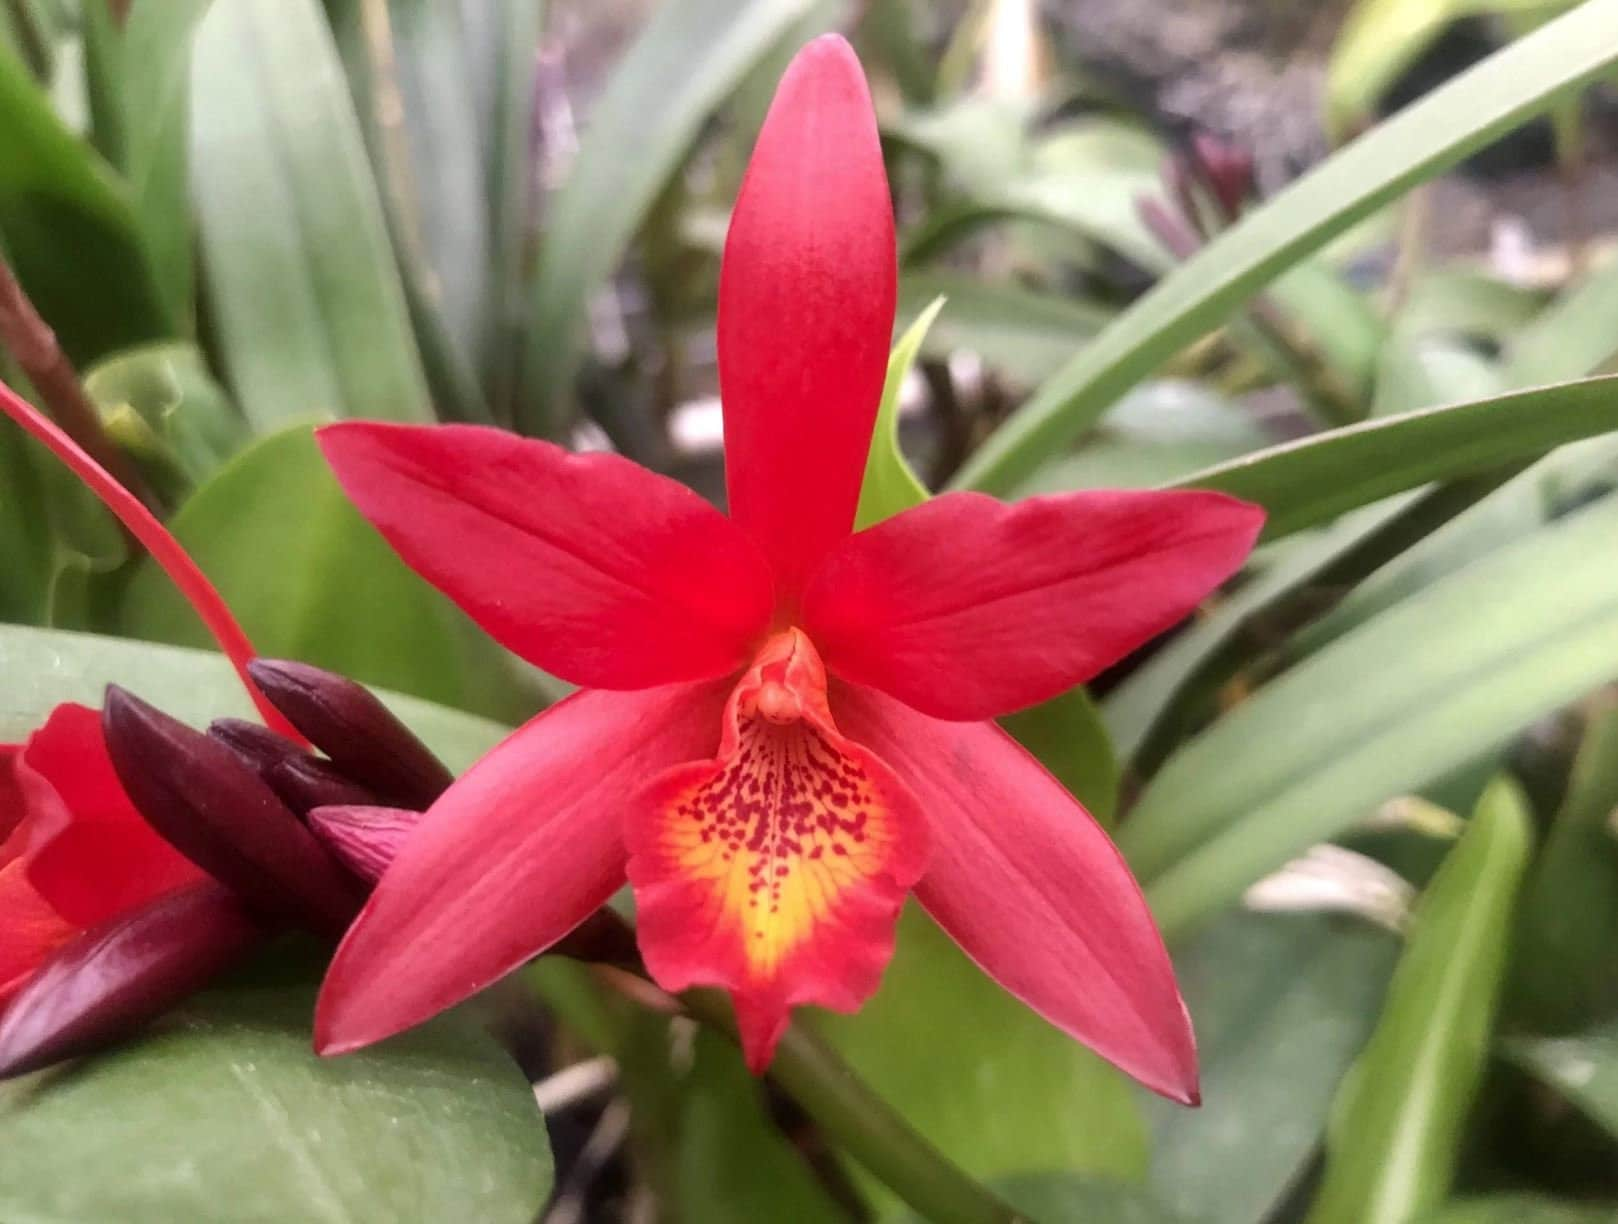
(201,594)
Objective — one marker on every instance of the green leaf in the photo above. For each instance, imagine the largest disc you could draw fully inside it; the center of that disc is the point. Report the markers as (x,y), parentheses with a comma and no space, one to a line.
(1422,140)
(1317,478)
(44,667)
(1399,1119)
(427,80)
(1067,735)
(1582,1067)
(1281,1005)
(509,114)
(308,310)
(1024,333)
(1573,335)
(1564,963)
(56,537)
(1380,39)
(310,579)
(156,93)
(102,40)
(1461,301)
(889,485)
(1418,371)
(1160,432)
(1061,1198)
(66,223)
(685,61)
(222,1111)
(160,403)
(413,81)
(1054,1104)
(1449,673)
(733,1165)
(1520,1209)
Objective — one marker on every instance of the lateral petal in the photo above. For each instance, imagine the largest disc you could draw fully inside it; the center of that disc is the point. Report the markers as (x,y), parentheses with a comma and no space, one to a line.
(518,852)
(589,566)
(968,608)
(1033,891)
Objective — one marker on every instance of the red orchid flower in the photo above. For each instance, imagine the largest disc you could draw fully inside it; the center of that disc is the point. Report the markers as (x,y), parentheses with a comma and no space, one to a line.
(74,852)
(784,727)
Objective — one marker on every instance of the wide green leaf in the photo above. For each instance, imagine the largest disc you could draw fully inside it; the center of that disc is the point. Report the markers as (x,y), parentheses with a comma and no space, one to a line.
(1281,1005)
(1397,1125)
(66,223)
(1425,138)
(1317,478)
(44,667)
(1446,675)
(311,579)
(683,64)
(308,311)
(221,1111)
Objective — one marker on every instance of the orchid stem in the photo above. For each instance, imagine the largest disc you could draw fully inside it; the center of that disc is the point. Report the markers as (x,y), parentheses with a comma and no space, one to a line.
(834,1095)
(30,340)
(201,594)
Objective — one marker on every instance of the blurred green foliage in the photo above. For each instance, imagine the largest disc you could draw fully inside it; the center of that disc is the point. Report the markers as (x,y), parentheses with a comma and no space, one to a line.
(241,217)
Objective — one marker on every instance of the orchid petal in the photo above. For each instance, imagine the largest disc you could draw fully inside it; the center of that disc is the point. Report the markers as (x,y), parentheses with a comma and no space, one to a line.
(969,608)
(30,929)
(89,852)
(365,838)
(777,868)
(806,300)
(1032,889)
(513,856)
(588,566)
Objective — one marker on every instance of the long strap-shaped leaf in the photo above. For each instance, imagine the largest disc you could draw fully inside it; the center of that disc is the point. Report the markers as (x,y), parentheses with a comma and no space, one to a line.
(1419,142)
(1314,479)
(1400,1116)
(1386,708)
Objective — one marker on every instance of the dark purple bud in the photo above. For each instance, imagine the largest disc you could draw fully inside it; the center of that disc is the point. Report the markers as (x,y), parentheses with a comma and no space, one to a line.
(113,978)
(350,725)
(257,745)
(307,783)
(1180,181)
(1226,169)
(364,838)
(1174,233)
(216,811)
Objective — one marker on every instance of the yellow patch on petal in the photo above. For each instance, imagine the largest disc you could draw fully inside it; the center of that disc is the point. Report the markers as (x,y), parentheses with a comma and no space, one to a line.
(784,829)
